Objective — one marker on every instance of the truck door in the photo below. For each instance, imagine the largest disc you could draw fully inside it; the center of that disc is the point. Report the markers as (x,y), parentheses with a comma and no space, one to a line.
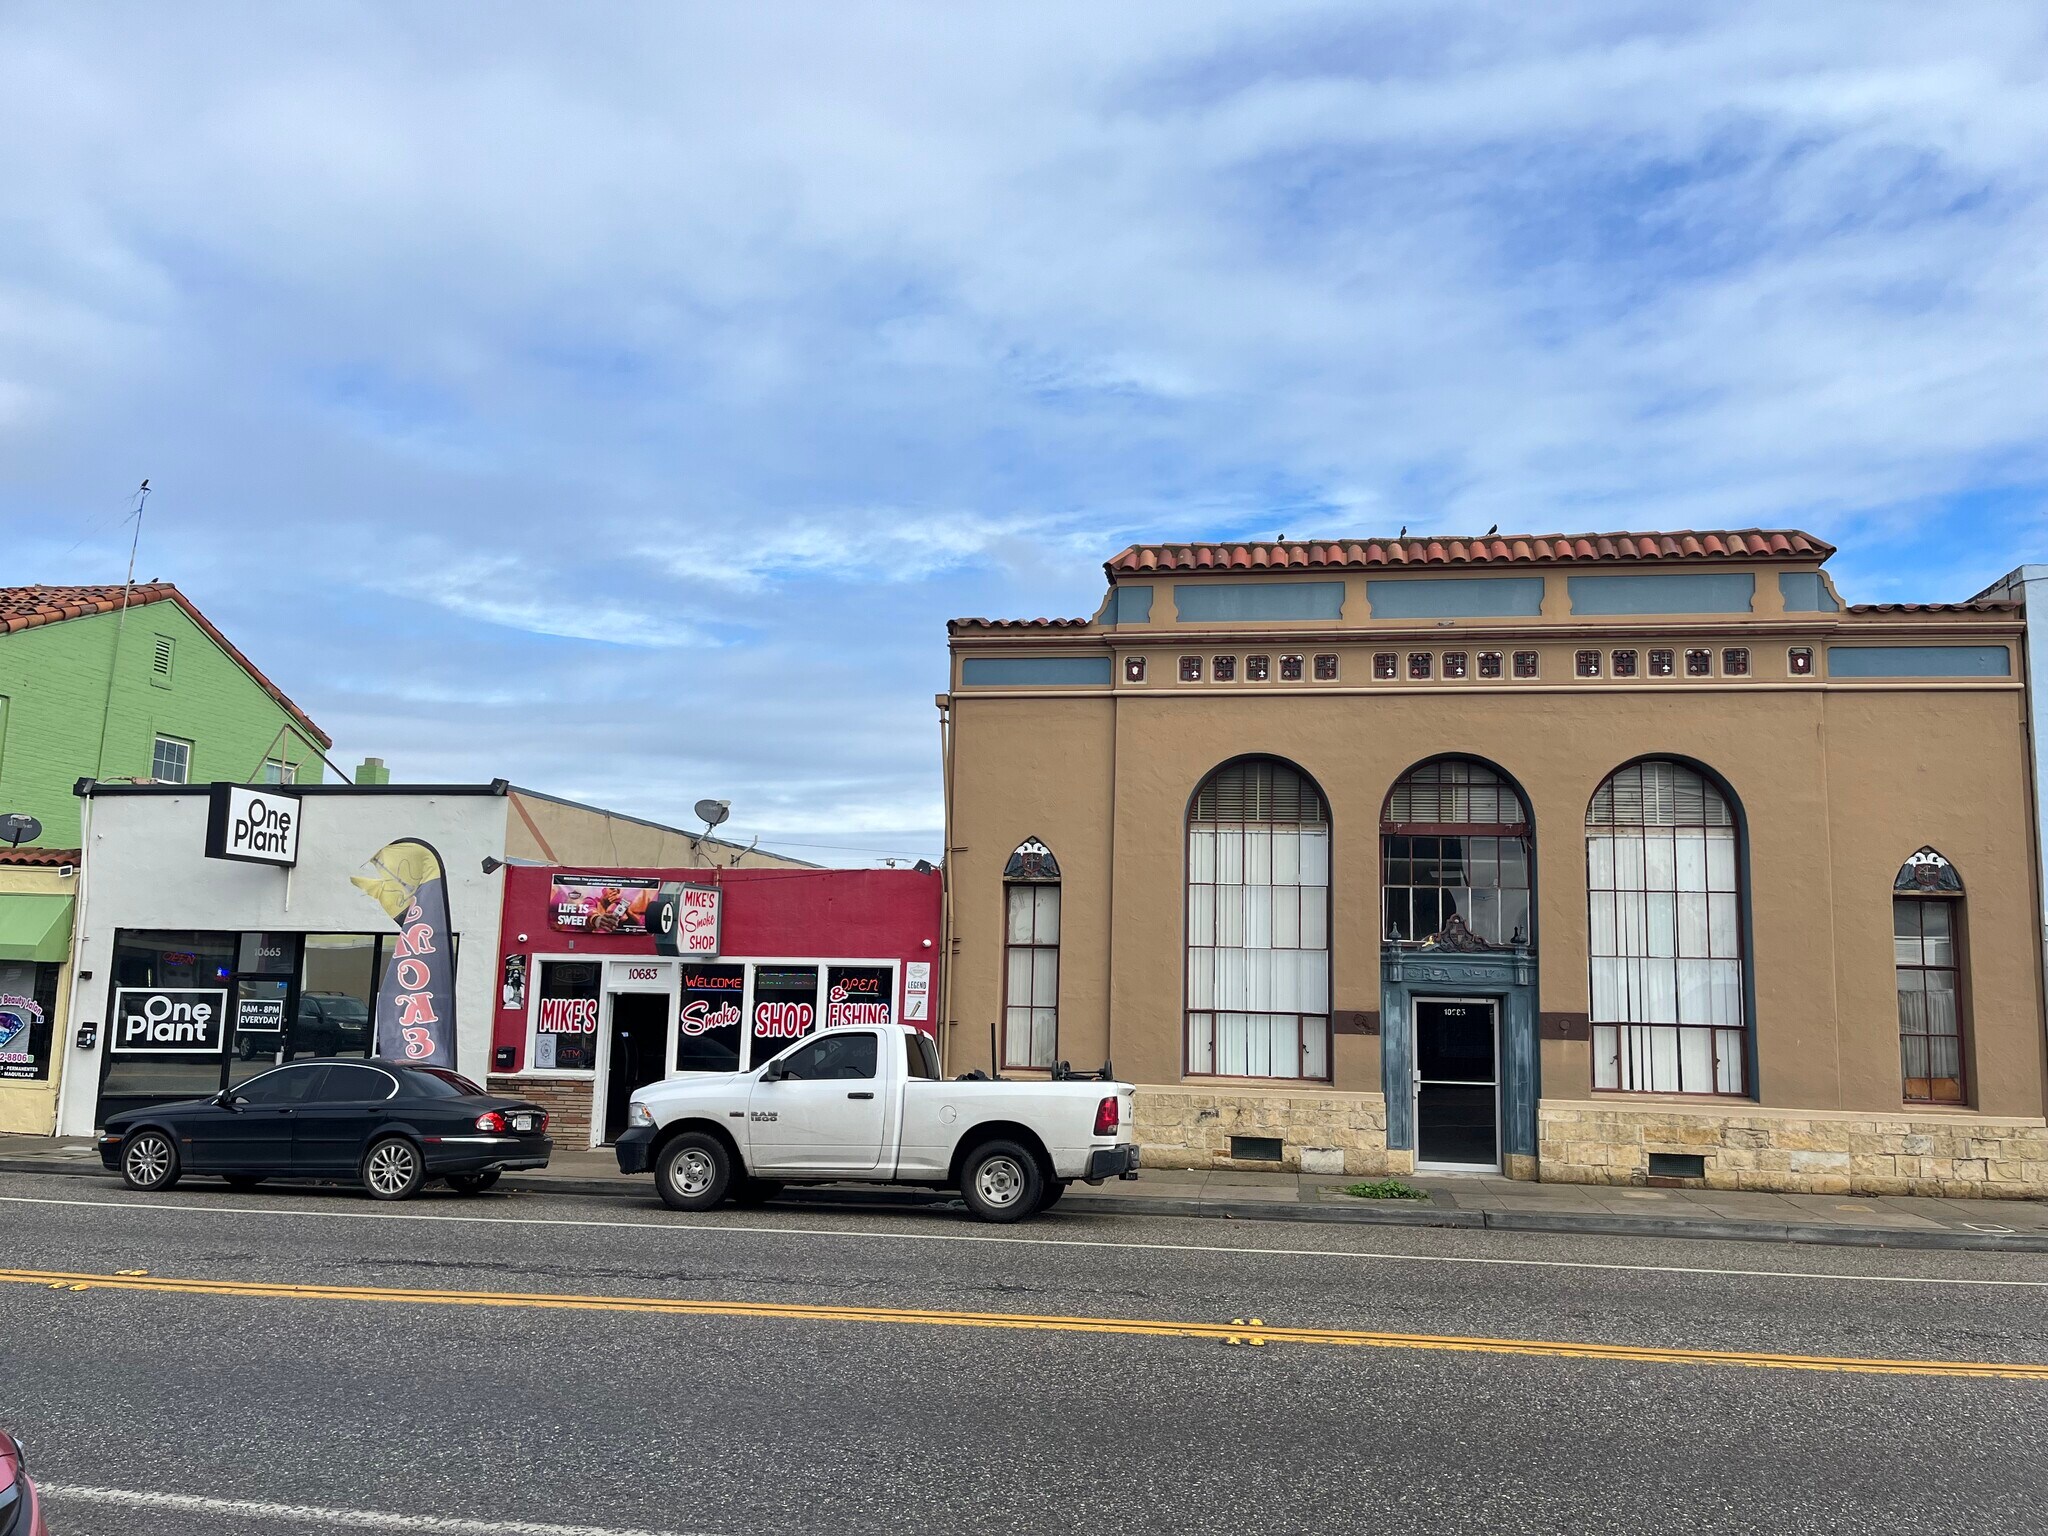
(824,1114)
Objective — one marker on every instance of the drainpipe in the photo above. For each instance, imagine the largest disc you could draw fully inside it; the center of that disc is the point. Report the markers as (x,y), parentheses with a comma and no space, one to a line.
(946,876)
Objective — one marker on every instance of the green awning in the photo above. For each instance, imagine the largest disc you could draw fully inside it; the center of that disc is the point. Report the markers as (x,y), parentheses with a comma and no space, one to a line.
(35,927)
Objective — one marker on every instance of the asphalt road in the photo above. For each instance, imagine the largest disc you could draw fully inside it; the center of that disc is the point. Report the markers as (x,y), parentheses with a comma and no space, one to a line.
(251,1377)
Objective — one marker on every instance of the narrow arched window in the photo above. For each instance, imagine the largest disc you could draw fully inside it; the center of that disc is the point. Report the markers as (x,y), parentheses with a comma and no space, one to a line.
(1454,855)
(1664,894)
(1927,931)
(1031,956)
(1258,978)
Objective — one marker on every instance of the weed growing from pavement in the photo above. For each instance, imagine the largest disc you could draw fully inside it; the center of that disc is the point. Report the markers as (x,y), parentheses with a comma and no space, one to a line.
(1384,1189)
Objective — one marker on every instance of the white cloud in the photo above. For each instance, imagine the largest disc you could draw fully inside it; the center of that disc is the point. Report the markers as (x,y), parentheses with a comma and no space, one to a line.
(627,370)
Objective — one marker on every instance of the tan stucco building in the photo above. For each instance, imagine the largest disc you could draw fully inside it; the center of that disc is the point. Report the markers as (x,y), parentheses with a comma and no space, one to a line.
(1600,859)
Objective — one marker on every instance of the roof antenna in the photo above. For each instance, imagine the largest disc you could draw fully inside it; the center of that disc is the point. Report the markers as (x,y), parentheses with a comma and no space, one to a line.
(99,761)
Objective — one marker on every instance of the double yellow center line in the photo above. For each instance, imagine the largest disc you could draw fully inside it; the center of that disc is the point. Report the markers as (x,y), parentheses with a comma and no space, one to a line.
(1629,1354)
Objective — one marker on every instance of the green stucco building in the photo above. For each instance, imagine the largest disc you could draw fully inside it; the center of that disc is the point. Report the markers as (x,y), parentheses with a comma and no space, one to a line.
(88,691)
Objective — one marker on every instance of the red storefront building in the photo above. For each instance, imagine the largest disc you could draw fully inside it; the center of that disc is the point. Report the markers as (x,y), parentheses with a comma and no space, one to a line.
(588,1009)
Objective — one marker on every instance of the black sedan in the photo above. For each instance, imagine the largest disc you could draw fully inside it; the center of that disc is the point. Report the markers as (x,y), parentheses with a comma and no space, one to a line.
(386,1125)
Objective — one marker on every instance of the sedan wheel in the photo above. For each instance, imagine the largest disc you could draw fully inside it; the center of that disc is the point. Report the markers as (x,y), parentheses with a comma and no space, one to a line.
(392,1169)
(149,1161)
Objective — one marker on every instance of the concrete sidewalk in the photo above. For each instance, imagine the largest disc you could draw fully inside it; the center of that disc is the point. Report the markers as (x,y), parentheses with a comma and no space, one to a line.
(1465,1200)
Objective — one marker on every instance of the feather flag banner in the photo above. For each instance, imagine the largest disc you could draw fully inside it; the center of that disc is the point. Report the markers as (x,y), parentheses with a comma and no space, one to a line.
(416,998)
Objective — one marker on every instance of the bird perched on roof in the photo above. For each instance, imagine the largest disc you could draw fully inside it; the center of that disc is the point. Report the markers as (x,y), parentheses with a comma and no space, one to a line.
(1493,530)
(1403,533)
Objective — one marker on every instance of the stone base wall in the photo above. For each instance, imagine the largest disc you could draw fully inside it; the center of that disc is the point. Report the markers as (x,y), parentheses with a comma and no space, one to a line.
(1187,1126)
(567,1104)
(1817,1152)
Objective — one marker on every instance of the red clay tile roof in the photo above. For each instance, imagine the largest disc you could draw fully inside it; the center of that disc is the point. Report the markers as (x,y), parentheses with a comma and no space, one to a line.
(1975,605)
(28,607)
(1497,549)
(954,626)
(39,857)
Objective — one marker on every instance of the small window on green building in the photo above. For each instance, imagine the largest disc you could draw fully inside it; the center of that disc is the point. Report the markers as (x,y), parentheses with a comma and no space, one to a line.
(171,762)
(278,771)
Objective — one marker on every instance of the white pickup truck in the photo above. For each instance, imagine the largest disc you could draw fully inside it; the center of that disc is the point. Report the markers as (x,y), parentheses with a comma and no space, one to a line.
(868,1105)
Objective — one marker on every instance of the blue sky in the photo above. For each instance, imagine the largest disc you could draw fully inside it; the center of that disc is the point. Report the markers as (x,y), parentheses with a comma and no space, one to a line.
(619,399)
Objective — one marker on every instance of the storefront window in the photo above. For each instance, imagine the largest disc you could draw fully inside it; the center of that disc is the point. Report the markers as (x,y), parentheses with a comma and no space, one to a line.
(337,993)
(708,1027)
(28,1002)
(565,1026)
(785,1007)
(860,994)
(166,1031)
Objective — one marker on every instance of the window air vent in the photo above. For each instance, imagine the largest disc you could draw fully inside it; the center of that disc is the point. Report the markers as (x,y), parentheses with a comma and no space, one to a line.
(1678,1165)
(1255,1149)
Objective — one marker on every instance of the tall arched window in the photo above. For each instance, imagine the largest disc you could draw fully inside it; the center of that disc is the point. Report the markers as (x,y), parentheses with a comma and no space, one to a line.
(1665,908)
(1454,849)
(1031,956)
(1927,931)
(1259,924)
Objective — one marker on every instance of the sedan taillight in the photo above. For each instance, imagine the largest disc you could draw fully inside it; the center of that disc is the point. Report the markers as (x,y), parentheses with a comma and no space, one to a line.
(1105,1117)
(490,1120)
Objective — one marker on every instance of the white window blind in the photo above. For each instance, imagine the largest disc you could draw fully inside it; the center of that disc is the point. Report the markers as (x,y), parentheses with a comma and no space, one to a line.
(1031,994)
(1258,945)
(1664,908)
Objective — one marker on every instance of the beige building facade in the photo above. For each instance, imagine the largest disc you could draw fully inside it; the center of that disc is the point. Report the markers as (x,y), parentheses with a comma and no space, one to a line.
(1612,858)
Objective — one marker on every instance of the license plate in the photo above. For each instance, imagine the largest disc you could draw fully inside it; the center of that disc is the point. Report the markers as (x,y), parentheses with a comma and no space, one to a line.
(524,1122)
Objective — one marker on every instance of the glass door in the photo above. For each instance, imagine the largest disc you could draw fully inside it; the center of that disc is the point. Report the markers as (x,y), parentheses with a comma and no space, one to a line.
(1457,1085)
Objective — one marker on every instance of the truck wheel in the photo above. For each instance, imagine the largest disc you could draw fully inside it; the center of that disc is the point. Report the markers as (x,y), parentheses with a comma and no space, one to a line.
(755,1191)
(693,1172)
(1001,1182)
(1054,1188)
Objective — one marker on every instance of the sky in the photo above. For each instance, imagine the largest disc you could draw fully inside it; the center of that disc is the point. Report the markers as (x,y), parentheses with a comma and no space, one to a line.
(619,398)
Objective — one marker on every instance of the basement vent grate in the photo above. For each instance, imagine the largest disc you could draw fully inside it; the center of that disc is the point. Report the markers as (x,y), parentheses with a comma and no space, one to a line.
(1255,1149)
(1678,1165)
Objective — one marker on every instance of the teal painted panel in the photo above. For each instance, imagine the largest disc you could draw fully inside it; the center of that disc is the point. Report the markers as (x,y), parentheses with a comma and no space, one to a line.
(1805,592)
(1131,605)
(1666,592)
(1919,661)
(1213,602)
(1035,671)
(1457,597)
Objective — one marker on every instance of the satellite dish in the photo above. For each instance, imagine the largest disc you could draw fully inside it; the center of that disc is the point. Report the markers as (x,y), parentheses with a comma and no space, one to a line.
(713,812)
(17,829)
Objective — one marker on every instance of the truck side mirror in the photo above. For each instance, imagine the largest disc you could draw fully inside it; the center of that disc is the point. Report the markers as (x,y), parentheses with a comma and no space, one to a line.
(773,1074)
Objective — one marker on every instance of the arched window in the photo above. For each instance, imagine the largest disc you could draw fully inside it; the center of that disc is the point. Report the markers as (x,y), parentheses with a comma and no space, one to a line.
(1665,910)
(1031,956)
(1454,852)
(1927,930)
(1259,924)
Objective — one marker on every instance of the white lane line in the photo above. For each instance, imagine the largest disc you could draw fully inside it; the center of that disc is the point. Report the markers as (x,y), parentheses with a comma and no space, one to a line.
(674,1229)
(309,1514)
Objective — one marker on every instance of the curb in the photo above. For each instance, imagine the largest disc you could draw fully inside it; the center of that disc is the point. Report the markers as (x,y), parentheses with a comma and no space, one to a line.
(1562,1222)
